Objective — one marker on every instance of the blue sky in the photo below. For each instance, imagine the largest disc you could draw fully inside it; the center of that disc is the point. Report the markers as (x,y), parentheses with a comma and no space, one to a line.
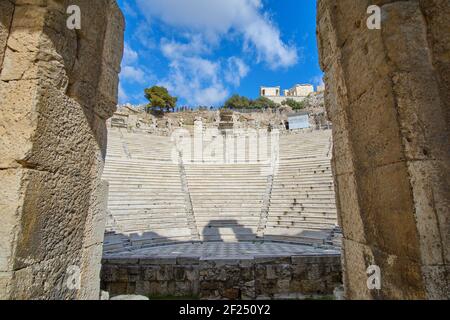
(204,51)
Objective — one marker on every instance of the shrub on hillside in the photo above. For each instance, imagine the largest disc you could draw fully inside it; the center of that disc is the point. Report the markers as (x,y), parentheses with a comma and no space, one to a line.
(295,105)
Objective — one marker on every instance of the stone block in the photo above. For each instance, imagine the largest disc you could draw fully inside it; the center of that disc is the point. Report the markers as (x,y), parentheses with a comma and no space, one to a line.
(166,273)
(188,260)
(158,260)
(271,259)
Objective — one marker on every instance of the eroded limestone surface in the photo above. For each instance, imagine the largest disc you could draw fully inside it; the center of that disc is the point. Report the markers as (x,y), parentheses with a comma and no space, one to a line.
(387,94)
(57,88)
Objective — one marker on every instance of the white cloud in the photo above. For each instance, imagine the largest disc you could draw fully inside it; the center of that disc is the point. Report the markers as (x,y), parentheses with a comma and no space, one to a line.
(123,97)
(142,34)
(192,47)
(213,19)
(195,79)
(129,55)
(133,74)
(236,70)
(129,10)
(131,71)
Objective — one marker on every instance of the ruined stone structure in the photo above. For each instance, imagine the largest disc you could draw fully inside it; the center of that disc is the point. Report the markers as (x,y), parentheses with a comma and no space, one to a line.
(218,214)
(57,88)
(261,277)
(388,96)
(298,93)
(155,199)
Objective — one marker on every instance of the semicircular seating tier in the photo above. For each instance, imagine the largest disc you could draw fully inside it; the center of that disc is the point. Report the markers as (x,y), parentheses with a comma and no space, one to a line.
(156,197)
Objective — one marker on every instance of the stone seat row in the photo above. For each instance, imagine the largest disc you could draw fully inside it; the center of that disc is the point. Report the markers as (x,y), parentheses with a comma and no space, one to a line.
(149,203)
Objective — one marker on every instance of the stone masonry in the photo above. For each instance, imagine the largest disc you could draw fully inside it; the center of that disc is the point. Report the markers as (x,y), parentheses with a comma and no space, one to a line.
(388,98)
(264,277)
(57,88)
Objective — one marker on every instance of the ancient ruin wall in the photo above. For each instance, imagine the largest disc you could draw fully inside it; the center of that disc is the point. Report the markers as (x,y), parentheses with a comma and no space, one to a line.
(290,277)
(57,88)
(388,98)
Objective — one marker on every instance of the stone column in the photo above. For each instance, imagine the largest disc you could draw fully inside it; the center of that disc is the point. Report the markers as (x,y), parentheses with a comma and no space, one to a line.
(388,96)
(57,88)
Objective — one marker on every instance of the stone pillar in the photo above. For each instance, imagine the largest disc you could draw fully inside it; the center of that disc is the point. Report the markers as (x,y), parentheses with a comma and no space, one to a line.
(388,96)
(57,88)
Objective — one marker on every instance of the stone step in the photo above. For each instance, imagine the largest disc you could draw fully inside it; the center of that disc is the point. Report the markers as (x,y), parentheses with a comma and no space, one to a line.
(144,207)
(310,173)
(151,227)
(225,187)
(136,159)
(147,183)
(302,200)
(295,223)
(322,223)
(225,172)
(149,208)
(139,219)
(305,232)
(195,190)
(140,186)
(232,217)
(302,182)
(297,220)
(228,211)
(296,164)
(292,193)
(144,228)
(154,202)
(214,207)
(232,178)
(235,214)
(163,219)
(177,217)
(292,214)
(225,201)
(162,240)
(143,173)
(147,179)
(274,211)
(135,195)
(295,239)
(303,204)
(228,181)
(278,190)
(206,223)
(136,164)
(225,197)
(229,237)
(130,215)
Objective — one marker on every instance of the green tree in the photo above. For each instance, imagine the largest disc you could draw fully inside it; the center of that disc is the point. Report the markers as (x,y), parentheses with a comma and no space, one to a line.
(159,98)
(263,102)
(237,102)
(295,105)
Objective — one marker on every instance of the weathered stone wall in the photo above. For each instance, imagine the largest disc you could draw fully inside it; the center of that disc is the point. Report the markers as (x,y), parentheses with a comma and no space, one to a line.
(388,98)
(270,277)
(57,88)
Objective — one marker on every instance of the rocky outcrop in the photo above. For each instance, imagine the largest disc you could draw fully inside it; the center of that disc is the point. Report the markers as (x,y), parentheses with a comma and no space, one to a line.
(57,88)
(388,98)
